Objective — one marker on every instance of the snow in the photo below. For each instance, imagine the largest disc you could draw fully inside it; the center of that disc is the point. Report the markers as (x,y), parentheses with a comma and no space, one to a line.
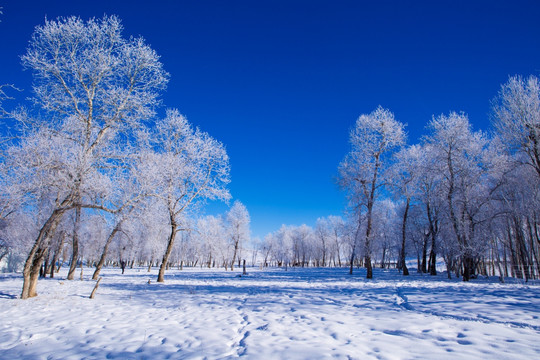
(269,314)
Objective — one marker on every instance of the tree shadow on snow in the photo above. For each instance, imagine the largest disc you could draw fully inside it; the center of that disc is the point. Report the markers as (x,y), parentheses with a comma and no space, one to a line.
(7,296)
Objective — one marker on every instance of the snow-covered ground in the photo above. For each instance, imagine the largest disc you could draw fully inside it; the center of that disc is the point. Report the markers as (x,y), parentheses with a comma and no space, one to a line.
(270,314)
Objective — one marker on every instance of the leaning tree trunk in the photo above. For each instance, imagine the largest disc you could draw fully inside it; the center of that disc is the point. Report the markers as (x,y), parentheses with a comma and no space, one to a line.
(75,253)
(105,250)
(35,257)
(161,274)
(34,272)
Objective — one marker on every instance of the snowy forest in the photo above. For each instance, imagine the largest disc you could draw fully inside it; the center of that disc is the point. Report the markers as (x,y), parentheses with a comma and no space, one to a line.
(107,195)
(92,176)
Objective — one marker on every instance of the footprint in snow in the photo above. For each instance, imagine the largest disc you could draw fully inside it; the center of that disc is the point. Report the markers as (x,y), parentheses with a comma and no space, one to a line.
(263,327)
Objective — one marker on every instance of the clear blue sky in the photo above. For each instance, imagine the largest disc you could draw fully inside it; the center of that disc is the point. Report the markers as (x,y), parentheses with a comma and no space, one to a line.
(280,83)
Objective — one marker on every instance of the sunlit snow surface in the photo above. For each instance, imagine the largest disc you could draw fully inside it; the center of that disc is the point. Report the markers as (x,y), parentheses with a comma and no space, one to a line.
(270,314)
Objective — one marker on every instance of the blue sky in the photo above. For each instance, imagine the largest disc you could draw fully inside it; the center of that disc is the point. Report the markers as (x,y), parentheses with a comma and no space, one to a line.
(280,83)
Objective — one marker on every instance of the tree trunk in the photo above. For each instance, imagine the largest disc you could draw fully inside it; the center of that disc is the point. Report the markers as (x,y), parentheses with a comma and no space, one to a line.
(45,265)
(323,253)
(234,253)
(168,251)
(432,259)
(404,238)
(367,249)
(424,253)
(95,289)
(352,260)
(369,268)
(522,246)
(433,229)
(448,261)
(371,201)
(468,266)
(35,257)
(56,256)
(75,253)
(34,275)
(105,249)
(353,252)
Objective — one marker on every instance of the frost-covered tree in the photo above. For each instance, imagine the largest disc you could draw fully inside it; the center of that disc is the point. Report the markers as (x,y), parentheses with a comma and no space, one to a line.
(517,126)
(336,225)
(302,239)
(238,228)
(281,245)
(386,230)
(212,236)
(462,160)
(155,227)
(94,86)
(129,195)
(323,235)
(428,192)
(517,119)
(406,171)
(328,233)
(184,166)
(375,137)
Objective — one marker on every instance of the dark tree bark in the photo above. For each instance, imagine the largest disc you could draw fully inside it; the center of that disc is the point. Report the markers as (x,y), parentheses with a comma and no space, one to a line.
(35,257)
(56,256)
(168,251)
(433,229)
(423,266)
(404,238)
(101,262)
(75,242)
